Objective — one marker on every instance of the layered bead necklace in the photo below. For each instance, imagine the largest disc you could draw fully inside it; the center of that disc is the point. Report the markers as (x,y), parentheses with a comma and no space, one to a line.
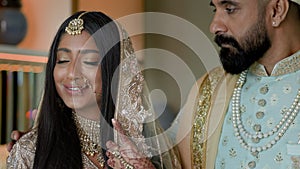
(89,135)
(279,129)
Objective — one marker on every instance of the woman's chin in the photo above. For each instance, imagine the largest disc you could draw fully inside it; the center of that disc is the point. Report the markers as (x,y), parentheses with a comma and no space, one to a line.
(81,102)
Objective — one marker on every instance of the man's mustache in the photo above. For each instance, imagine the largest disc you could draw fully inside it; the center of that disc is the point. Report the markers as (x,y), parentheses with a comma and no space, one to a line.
(226,40)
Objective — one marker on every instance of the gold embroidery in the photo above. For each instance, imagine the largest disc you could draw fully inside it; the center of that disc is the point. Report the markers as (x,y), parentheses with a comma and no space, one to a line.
(198,133)
(285,66)
(132,110)
(200,125)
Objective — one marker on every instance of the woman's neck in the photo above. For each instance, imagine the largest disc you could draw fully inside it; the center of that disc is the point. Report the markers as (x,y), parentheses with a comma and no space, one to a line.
(89,113)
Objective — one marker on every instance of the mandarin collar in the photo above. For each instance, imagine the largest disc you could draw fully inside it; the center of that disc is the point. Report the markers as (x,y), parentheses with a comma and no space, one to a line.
(285,66)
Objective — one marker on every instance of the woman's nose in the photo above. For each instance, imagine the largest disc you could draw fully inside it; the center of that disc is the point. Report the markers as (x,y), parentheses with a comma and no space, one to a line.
(74,71)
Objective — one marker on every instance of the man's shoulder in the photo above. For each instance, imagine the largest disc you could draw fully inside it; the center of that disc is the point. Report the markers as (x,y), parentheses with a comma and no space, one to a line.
(213,76)
(216,76)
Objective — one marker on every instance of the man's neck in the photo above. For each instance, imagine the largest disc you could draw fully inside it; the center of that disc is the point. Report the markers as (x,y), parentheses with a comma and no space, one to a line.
(282,47)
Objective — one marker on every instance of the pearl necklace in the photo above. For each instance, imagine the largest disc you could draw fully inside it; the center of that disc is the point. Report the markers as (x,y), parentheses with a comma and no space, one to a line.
(279,129)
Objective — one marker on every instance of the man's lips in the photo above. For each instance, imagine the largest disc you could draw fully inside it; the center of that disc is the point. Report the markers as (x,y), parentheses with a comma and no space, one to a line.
(226,45)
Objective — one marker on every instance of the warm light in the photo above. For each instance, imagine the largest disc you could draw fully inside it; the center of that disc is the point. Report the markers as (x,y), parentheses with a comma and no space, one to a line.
(22,68)
(23,58)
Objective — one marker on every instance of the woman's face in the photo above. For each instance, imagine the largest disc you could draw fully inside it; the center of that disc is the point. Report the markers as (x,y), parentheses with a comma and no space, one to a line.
(77,72)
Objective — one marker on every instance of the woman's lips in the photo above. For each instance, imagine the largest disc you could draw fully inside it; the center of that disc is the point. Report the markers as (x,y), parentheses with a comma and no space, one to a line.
(74,90)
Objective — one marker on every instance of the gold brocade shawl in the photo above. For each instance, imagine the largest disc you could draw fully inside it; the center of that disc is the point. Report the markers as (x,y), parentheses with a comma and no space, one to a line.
(209,111)
(23,153)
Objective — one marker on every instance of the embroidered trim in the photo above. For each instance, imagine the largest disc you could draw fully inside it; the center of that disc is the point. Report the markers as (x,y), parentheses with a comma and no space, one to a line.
(201,115)
(198,144)
(132,110)
(287,65)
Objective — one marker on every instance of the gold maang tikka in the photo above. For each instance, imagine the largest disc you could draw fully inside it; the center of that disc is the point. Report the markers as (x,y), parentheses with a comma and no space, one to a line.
(75,26)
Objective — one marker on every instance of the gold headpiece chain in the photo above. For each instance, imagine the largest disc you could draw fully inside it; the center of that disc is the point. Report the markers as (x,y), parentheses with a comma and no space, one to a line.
(75,26)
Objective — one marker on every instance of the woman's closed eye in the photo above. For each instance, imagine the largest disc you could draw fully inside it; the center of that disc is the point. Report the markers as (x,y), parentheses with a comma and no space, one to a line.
(92,63)
(91,59)
(62,61)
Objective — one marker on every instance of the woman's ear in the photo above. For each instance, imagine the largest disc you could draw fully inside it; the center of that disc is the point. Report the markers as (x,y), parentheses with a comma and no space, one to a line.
(279,10)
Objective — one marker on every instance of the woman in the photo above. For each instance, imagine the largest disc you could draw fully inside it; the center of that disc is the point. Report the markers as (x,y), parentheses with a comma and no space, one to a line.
(92,77)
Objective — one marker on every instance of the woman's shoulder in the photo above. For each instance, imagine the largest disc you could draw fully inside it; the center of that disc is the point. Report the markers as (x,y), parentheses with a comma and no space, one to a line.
(22,153)
(27,141)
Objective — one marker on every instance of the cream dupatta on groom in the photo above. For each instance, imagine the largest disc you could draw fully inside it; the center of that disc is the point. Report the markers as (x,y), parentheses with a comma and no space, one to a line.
(201,123)
(209,112)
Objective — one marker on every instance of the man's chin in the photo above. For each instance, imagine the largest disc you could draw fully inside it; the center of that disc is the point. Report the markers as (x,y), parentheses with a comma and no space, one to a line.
(235,68)
(232,62)
(233,72)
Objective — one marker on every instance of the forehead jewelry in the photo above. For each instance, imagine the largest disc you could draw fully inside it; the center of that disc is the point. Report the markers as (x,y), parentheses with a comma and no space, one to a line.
(75,26)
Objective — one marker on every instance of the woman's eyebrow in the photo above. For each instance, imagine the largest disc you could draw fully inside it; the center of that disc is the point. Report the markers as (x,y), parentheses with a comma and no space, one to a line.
(86,51)
(82,51)
(64,50)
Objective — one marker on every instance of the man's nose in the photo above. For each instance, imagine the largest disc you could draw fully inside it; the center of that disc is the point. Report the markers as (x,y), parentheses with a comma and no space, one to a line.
(217,24)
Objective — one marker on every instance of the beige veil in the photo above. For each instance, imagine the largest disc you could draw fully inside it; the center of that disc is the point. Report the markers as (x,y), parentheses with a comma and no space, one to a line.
(135,112)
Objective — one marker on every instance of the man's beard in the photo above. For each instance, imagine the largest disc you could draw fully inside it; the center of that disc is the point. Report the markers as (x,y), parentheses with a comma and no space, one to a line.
(236,57)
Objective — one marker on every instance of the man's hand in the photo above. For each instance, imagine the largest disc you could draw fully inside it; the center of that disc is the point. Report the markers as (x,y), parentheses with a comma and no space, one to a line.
(16,135)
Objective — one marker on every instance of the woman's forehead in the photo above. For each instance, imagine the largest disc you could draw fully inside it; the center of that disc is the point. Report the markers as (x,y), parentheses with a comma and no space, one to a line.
(84,40)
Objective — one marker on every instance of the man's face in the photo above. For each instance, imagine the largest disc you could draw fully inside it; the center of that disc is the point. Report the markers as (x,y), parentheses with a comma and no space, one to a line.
(241,33)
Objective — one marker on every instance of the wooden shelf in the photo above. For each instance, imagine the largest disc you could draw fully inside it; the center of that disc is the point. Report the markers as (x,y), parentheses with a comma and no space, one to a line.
(15,50)
(17,59)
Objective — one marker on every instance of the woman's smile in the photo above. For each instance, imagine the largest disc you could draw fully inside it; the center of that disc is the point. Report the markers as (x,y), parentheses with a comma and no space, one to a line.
(77,71)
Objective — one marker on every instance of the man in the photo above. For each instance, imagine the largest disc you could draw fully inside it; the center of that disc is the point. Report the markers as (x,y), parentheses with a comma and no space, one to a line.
(247,116)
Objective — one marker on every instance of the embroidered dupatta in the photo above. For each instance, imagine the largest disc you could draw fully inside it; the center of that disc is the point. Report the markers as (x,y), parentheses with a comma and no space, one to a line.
(135,112)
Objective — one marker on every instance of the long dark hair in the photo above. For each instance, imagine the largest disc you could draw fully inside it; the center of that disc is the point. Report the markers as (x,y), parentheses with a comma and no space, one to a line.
(58,144)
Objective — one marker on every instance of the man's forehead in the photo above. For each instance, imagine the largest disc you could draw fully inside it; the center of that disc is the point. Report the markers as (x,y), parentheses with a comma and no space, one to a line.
(220,2)
(213,2)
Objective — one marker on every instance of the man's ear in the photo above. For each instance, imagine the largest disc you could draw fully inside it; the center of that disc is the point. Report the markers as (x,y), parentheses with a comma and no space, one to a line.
(278,11)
